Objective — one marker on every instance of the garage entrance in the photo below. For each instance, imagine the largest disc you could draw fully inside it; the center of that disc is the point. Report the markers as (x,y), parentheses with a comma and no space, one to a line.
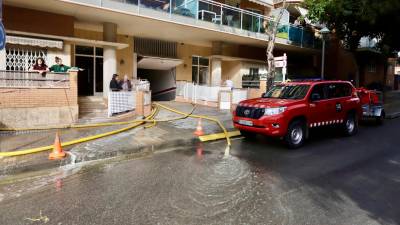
(160,72)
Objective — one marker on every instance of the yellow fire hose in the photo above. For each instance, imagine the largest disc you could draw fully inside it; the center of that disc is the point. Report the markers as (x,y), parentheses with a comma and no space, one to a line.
(228,140)
(136,123)
(49,147)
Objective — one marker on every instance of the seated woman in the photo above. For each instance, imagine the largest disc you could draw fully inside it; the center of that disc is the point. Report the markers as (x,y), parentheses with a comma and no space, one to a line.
(40,67)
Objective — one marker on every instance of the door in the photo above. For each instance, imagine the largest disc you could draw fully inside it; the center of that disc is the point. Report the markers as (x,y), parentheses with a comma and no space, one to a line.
(86,76)
(340,98)
(318,106)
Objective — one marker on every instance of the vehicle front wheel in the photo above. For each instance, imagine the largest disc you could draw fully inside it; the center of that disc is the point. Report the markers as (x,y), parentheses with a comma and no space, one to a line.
(296,134)
(350,126)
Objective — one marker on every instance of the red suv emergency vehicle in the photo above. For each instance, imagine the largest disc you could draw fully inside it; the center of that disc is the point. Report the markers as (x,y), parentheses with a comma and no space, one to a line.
(288,110)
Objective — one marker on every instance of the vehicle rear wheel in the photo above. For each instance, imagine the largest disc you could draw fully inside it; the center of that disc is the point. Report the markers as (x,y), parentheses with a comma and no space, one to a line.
(296,134)
(381,118)
(247,134)
(350,126)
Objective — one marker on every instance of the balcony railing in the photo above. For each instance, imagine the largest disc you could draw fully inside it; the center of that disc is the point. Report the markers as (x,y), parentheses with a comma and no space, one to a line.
(224,16)
(25,79)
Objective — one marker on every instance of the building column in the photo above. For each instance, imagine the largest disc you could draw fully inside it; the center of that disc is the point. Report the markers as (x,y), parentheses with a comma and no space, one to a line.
(109,56)
(216,72)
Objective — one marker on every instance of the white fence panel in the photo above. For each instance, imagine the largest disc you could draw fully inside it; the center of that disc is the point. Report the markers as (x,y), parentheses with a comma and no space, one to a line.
(238,95)
(121,101)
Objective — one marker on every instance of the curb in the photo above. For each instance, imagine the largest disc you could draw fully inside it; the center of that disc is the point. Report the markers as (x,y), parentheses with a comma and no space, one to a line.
(79,158)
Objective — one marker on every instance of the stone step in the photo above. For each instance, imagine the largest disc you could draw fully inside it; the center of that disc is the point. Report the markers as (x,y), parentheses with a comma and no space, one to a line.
(92,111)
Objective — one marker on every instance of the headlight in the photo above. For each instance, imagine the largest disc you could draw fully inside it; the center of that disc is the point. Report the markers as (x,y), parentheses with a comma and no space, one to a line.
(274,111)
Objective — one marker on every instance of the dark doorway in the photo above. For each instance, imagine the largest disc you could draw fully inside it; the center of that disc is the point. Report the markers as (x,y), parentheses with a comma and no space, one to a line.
(90,59)
(86,76)
(99,74)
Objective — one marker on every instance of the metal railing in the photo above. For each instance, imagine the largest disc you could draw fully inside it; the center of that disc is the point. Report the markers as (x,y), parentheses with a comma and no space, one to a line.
(241,21)
(27,79)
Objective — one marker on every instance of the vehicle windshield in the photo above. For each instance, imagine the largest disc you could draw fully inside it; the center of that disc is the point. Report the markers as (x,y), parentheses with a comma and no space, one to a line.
(287,92)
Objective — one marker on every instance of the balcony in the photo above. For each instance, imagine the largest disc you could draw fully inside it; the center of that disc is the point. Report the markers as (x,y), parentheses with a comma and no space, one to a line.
(26,79)
(209,15)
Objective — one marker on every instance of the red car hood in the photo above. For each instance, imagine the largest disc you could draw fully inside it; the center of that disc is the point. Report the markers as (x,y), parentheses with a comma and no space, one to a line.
(268,102)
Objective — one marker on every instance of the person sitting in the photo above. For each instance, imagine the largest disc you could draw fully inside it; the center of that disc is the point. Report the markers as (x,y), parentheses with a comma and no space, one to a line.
(126,84)
(59,67)
(114,83)
(40,67)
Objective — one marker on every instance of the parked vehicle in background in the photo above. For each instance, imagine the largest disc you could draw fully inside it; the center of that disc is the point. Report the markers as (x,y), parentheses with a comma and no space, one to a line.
(289,110)
(372,104)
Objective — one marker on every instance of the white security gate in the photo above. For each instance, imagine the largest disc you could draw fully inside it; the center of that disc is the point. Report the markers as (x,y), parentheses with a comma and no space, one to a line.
(121,101)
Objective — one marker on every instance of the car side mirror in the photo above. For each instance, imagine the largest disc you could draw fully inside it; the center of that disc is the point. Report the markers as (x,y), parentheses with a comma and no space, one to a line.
(315,97)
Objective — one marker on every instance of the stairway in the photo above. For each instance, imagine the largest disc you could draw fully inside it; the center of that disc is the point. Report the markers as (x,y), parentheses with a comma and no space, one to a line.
(92,108)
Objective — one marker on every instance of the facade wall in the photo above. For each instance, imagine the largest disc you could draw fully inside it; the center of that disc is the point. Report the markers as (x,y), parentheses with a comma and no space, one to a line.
(185,53)
(232,70)
(28,20)
(244,4)
(125,57)
(26,108)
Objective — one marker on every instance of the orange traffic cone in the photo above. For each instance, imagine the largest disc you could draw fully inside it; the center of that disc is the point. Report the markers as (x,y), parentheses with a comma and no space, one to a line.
(199,129)
(57,153)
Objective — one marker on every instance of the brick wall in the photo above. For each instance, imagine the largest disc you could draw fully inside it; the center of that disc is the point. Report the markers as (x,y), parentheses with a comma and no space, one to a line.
(40,97)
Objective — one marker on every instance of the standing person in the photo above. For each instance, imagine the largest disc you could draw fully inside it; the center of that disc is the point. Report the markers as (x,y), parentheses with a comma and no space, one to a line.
(126,84)
(59,67)
(114,83)
(40,67)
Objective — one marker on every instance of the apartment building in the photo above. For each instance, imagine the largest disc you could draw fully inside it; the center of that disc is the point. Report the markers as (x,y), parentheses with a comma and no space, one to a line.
(201,41)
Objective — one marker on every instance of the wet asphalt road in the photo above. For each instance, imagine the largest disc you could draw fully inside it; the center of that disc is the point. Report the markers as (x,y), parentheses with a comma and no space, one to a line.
(332,180)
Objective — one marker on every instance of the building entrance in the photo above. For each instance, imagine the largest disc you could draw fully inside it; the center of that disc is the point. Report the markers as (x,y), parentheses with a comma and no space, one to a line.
(90,79)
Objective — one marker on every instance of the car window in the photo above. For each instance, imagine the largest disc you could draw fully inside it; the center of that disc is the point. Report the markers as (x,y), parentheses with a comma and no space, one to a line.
(318,92)
(287,91)
(338,90)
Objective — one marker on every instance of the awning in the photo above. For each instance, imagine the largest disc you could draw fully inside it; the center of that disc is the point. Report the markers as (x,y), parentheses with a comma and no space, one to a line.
(267,3)
(44,43)
(155,63)
(68,39)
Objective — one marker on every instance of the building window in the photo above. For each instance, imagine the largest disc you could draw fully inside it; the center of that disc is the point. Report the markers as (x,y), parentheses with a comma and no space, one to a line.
(22,59)
(253,71)
(199,69)
(371,67)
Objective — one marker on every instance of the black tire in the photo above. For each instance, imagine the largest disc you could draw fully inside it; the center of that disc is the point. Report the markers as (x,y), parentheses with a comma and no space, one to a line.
(296,134)
(247,134)
(381,119)
(350,125)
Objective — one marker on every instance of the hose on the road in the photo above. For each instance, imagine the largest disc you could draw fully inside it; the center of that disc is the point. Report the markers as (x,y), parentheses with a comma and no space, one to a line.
(185,115)
(80,140)
(136,123)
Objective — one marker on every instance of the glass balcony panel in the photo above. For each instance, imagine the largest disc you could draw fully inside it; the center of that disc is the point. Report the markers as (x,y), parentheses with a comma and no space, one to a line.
(132,2)
(159,5)
(184,7)
(250,22)
(295,35)
(231,17)
(210,12)
(283,31)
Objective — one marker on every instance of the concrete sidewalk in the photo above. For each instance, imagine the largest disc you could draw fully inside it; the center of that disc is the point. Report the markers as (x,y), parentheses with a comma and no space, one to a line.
(136,141)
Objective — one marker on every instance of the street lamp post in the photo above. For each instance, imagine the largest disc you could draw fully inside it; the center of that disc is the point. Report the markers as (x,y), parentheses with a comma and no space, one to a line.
(324,35)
